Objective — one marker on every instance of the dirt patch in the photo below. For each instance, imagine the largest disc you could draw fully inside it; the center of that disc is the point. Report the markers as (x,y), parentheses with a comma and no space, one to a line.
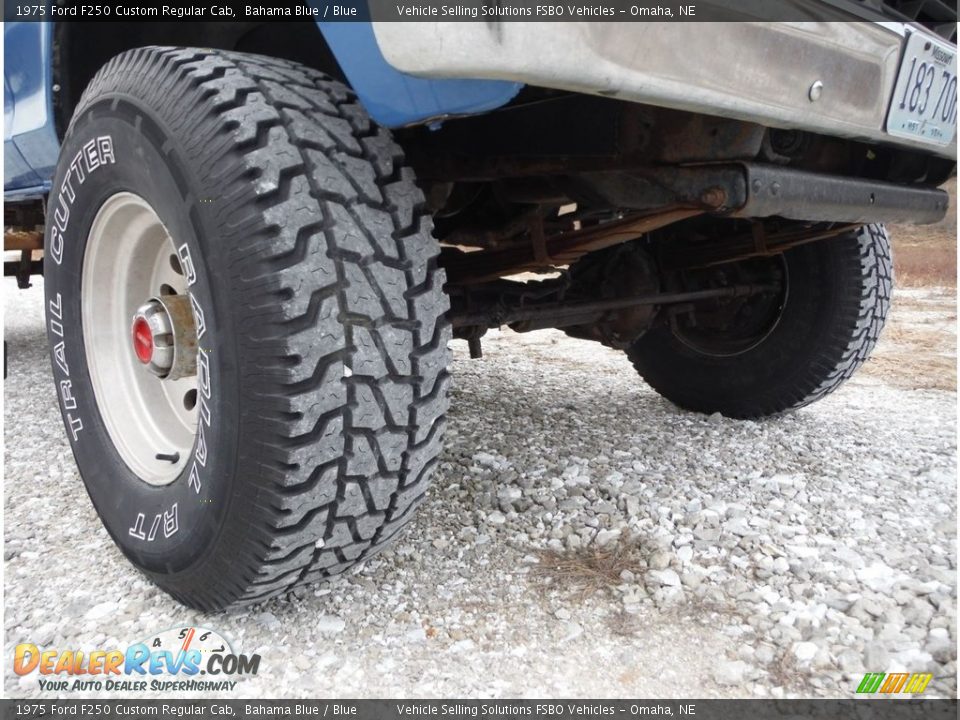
(918,347)
(912,364)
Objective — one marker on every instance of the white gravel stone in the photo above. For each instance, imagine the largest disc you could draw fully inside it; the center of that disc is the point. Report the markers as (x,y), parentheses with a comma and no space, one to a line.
(100,611)
(666,577)
(875,658)
(732,672)
(659,560)
(330,625)
(572,631)
(415,635)
(606,537)
(805,651)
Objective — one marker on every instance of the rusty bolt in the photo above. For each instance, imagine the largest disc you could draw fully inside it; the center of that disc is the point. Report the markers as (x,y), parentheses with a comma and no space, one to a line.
(713,197)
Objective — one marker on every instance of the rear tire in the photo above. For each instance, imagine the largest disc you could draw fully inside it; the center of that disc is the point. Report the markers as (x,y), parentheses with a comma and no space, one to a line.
(318,306)
(828,324)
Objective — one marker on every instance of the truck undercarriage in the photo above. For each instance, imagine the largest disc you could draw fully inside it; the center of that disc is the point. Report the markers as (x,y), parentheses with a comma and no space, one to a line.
(552,184)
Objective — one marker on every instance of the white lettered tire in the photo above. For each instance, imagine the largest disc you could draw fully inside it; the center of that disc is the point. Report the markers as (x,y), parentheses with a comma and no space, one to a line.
(260,190)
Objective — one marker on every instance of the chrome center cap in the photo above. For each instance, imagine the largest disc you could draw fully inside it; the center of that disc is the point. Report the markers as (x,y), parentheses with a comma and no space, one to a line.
(164,337)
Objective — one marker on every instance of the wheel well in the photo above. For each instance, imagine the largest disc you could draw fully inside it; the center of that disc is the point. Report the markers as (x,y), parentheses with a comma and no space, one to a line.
(81,49)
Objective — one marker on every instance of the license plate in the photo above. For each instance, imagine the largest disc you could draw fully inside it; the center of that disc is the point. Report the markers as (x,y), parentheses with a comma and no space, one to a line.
(924,103)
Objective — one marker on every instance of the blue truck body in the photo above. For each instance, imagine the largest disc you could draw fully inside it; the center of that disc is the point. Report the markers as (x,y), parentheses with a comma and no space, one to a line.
(392,98)
(30,141)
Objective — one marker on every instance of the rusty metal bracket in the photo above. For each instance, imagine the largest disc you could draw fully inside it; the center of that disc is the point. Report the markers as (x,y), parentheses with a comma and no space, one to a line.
(539,242)
(759,238)
(467,268)
(14,239)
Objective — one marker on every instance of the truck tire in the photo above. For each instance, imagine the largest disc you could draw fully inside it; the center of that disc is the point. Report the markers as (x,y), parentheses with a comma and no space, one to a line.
(826,325)
(246,210)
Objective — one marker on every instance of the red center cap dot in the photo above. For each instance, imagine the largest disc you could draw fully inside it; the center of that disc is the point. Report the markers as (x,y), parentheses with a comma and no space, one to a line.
(142,340)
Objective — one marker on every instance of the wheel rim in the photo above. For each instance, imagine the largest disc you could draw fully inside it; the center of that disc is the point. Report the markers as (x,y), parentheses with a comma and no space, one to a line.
(738,336)
(133,295)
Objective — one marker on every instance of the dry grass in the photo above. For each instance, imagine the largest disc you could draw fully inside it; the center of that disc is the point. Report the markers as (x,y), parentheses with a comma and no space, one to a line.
(915,358)
(590,569)
(926,255)
(924,265)
(581,574)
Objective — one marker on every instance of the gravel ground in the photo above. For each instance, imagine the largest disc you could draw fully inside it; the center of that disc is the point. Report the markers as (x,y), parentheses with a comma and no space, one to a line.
(582,538)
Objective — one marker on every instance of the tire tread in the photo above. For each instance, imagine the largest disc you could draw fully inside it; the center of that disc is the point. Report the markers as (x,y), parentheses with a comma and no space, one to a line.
(328,252)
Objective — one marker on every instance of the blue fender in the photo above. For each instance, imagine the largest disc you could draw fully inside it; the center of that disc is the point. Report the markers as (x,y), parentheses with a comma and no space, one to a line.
(395,99)
(30,144)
